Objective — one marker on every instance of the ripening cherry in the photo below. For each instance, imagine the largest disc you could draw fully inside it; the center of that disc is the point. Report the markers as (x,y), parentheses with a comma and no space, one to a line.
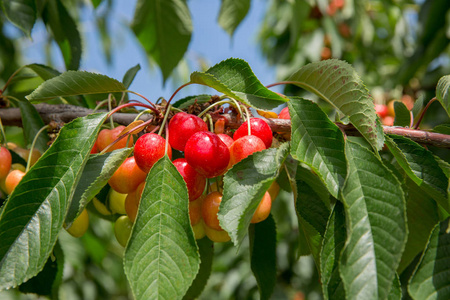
(148,149)
(274,190)
(210,208)
(284,114)
(132,202)
(127,177)
(182,126)
(381,110)
(228,140)
(122,230)
(199,230)
(218,236)
(107,136)
(117,202)
(80,225)
(5,162)
(12,180)
(101,208)
(195,210)
(195,182)
(263,209)
(259,128)
(245,146)
(207,154)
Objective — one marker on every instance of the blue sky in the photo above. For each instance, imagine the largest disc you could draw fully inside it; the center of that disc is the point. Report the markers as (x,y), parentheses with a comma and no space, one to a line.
(208,40)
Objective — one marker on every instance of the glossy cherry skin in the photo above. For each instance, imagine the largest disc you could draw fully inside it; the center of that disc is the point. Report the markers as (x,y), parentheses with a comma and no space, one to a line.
(195,182)
(210,208)
(284,114)
(263,209)
(182,126)
(5,162)
(228,140)
(245,146)
(148,149)
(127,177)
(259,128)
(107,136)
(80,225)
(207,154)
(381,110)
(12,180)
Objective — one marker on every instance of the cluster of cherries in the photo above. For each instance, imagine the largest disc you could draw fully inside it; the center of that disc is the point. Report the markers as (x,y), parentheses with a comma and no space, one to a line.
(207,155)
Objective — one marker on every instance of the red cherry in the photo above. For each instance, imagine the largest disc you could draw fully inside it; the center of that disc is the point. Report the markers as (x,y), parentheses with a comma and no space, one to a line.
(182,126)
(195,182)
(207,154)
(148,149)
(381,110)
(284,114)
(107,136)
(228,140)
(259,128)
(127,177)
(5,162)
(245,146)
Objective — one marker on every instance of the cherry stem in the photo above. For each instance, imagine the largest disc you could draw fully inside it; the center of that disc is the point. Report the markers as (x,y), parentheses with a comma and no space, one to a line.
(32,146)
(210,121)
(3,141)
(100,104)
(173,95)
(132,104)
(280,83)
(146,111)
(166,115)
(423,112)
(248,120)
(11,77)
(142,96)
(109,109)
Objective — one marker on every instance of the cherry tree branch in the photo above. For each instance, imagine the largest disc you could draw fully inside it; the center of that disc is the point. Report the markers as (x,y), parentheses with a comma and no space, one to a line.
(66,113)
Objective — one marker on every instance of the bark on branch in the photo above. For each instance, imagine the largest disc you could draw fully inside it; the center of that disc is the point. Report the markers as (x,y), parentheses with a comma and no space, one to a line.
(66,113)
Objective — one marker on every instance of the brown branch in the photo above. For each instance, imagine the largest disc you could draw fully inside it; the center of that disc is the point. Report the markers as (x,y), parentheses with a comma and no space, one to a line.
(66,113)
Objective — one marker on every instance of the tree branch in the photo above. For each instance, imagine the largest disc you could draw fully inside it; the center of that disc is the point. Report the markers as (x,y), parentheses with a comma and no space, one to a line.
(66,113)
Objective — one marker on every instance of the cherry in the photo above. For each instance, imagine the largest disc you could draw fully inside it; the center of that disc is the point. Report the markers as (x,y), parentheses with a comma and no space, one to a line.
(182,126)
(24,153)
(199,230)
(245,146)
(12,180)
(195,210)
(122,230)
(284,114)
(117,202)
(228,140)
(259,128)
(263,209)
(207,154)
(218,236)
(210,208)
(107,136)
(127,177)
(5,162)
(195,182)
(94,148)
(132,202)
(101,208)
(80,225)
(274,190)
(149,148)
(381,110)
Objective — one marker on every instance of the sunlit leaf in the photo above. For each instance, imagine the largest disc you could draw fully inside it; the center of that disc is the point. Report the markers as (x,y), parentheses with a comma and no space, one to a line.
(96,173)
(22,13)
(231,14)
(431,279)
(161,257)
(421,166)
(34,214)
(164,29)
(73,83)
(244,186)
(317,142)
(333,243)
(234,78)
(263,239)
(376,225)
(338,83)
(130,75)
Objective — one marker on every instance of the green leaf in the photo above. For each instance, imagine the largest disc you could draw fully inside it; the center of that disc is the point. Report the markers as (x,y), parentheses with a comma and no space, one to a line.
(431,279)
(337,82)
(443,92)
(47,282)
(244,187)
(65,32)
(376,225)
(422,216)
(317,142)
(73,83)
(130,75)
(190,100)
(443,128)
(333,243)
(231,14)
(36,209)
(263,239)
(161,257)
(235,78)
(43,71)
(32,126)
(421,166)
(22,13)
(164,29)
(206,250)
(96,173)
(396,290)
(402,114)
